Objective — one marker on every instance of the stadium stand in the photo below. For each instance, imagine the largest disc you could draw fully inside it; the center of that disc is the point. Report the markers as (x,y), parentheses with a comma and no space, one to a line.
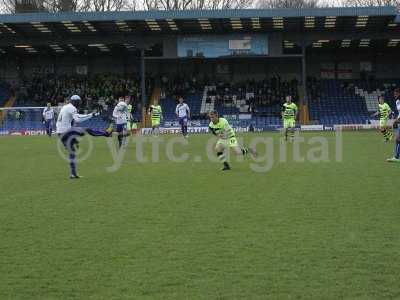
(4,93)
(100,89)
(347,101)
(337,104)
(331,101)
(261,100)
(370,91)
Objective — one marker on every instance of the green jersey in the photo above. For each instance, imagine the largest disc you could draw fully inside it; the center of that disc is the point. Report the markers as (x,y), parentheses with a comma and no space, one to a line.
(289,110)
(156,112)
(384,111)
(130,109)
(222,127)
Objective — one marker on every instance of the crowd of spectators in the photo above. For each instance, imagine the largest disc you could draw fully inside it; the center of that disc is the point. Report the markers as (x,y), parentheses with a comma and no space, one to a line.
(99,91)
(103,90)
(180,85)
(268,92)
(314,89)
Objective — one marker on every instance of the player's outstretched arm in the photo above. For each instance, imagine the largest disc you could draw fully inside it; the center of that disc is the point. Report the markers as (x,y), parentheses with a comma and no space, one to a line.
(79,118)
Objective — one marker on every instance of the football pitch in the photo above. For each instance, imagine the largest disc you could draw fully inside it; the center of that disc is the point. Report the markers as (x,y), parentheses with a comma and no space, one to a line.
(166,229)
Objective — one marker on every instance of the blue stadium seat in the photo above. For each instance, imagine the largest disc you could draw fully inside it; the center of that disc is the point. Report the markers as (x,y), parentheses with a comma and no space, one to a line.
(338,104)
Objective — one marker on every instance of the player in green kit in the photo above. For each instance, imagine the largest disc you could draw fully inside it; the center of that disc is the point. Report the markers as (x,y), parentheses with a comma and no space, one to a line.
(130,117)
(384,113)
(289,115)
(226,139)
(156,116)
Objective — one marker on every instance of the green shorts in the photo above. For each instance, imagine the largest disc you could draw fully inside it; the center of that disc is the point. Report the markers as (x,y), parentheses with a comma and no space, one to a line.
(289,123)
(383,122)
(155,122)
(231,142)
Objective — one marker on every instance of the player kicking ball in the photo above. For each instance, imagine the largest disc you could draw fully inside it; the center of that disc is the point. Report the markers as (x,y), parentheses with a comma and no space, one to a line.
(226,139)
(384,113)
(69,133)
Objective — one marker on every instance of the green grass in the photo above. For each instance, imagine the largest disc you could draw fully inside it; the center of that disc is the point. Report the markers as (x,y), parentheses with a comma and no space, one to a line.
(168,230)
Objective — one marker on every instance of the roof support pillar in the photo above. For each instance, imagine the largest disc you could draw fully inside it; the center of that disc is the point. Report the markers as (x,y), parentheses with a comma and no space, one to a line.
(143,80)
(304,74)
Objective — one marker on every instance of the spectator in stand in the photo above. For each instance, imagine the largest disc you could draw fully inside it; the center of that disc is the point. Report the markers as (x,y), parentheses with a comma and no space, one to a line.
(94,89)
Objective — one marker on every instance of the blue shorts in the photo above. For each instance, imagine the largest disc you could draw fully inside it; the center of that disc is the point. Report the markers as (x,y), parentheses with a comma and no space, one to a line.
(121,127)
(70,138)
(48,123)
(183,121)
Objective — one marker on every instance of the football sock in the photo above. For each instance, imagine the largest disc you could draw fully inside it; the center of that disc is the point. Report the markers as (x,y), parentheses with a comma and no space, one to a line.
(221,157)
(387,134)
(72,164)
(120,139)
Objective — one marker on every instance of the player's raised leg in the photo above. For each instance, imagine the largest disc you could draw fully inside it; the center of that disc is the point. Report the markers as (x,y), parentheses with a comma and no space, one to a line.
(241,150)
(97,133)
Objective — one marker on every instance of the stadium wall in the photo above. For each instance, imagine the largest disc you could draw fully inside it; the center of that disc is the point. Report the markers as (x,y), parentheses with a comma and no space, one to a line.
(385,65)
(229,69)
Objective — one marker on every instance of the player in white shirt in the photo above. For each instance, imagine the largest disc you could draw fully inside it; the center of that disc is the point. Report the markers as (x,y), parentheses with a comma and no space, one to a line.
(396,157)
(69,133)
(48,117)
(121,118)
(182,111)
